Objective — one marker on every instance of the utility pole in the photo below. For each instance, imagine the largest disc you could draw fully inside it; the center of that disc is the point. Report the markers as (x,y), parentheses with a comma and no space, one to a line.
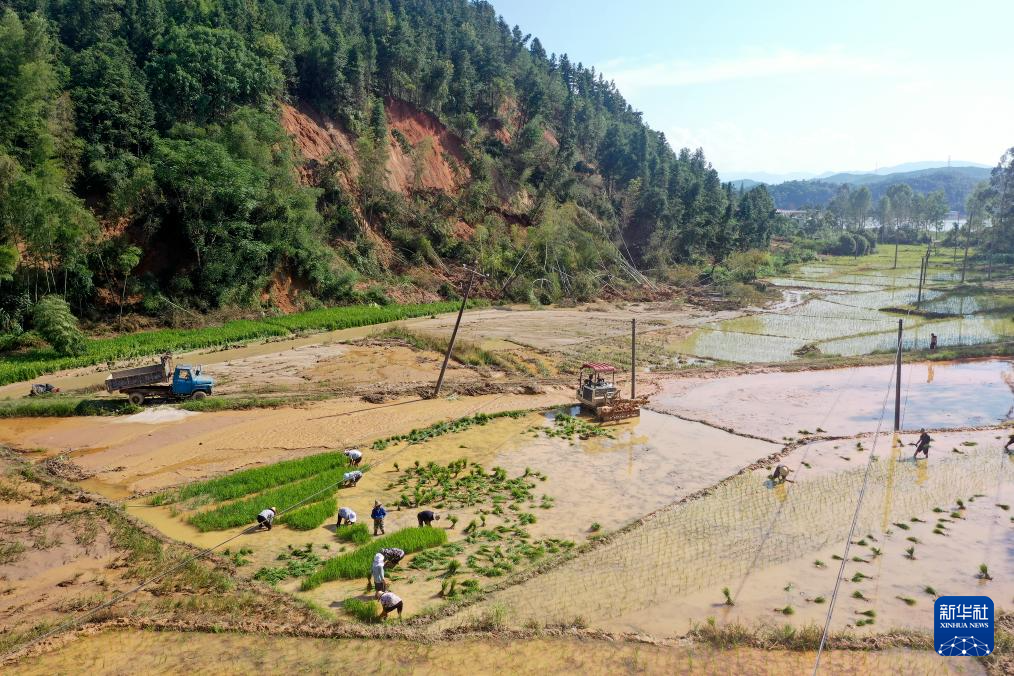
(633,358)
(897,384)
(923,273)
(454,334)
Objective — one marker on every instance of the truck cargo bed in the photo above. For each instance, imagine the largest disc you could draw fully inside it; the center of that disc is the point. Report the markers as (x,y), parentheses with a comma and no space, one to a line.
(137,377)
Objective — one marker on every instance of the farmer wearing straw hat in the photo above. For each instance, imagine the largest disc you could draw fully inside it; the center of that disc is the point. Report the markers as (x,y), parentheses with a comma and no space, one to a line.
(378,515)
(265,518)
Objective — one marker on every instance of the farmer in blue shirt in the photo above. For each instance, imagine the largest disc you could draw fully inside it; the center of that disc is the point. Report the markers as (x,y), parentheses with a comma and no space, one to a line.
(378,515)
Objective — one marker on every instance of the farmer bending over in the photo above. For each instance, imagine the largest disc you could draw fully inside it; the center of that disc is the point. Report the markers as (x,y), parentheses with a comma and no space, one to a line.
(922,446)
(427,517)
(355,456)
(781,475)
(265,518)
(346,515)
(392,556)
(378,515)
(389,602)
(1010,442)
(351,478)
(377,571)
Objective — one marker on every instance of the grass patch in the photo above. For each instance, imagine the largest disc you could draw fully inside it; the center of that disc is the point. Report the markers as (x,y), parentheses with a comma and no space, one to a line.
(238,484)
(59,407)
(10,552)
(312,516)
(357,563)
(33,363)
(446,427)
(464,352)
(244,512)
(357,533)
(241,403)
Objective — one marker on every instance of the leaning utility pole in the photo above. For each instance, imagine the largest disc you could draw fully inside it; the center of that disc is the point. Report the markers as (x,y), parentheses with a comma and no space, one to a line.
(923,273)
(897,384)
(633,358)
(454,334)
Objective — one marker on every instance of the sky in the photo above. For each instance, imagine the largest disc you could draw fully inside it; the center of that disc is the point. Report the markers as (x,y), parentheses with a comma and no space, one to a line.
(788,86)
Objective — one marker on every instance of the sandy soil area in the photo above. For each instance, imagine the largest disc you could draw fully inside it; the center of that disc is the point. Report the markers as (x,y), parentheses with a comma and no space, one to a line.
(129,456)
(128,652)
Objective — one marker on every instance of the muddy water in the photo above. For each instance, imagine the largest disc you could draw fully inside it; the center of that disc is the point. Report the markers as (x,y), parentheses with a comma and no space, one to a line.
(649,463)
(131,652)
(141,456)
(762,541)
(846,401)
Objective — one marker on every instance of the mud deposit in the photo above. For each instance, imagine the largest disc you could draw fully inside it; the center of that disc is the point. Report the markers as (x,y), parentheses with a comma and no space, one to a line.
(131,652)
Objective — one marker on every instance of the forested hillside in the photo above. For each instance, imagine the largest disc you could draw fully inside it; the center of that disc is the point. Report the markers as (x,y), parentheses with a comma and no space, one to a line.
(162,153)
(956,184)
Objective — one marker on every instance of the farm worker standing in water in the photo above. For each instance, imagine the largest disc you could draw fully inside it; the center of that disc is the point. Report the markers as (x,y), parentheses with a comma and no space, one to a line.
(347,515)
(351,478)
(1010,442)
(377,571)
(355,456)
(389,602)
(923,444)
(427,517)
(265,518)
(780,475)
(378,515)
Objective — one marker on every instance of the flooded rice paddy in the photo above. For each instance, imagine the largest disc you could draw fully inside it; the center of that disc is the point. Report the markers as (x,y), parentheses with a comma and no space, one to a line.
(846,401)
(762,542)
(648,463)
(132,652)
(851,307)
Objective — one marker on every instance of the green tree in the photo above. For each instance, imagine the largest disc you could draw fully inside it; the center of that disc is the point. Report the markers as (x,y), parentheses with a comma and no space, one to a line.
(199,74)
(56,324)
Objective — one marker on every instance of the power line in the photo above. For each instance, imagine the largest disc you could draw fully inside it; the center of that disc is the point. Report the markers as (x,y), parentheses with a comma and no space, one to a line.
(855,520)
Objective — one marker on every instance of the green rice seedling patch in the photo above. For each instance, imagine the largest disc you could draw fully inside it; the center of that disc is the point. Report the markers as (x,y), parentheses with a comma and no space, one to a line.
(357,563)
(446,427)
(459,484)
(357,533)
(567,426)
(437,558)
(29,364)
(298,562)
(243,512)
(363,610)
(246,482)
(312,516)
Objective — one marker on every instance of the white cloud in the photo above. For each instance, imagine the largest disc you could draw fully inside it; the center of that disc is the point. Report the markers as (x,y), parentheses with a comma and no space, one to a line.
(681,73)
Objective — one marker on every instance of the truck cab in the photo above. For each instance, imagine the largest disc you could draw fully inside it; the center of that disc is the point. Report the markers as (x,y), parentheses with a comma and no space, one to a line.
(188,382)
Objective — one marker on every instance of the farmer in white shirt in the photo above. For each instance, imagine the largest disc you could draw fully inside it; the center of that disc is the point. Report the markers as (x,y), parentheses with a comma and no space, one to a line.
(390,601)
(355,456)
(347,516)
(351,478)
(265,518)
(377,572)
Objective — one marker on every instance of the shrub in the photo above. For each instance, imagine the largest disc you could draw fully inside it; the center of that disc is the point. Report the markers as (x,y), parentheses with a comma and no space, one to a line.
(54,321)
(357,563)
(312,516)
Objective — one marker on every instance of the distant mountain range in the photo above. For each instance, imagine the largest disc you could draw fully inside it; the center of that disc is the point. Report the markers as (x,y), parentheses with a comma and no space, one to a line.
(755,177)
(957,181)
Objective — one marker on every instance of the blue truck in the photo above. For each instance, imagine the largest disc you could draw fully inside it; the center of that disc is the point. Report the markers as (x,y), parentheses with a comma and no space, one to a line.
(160,381)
